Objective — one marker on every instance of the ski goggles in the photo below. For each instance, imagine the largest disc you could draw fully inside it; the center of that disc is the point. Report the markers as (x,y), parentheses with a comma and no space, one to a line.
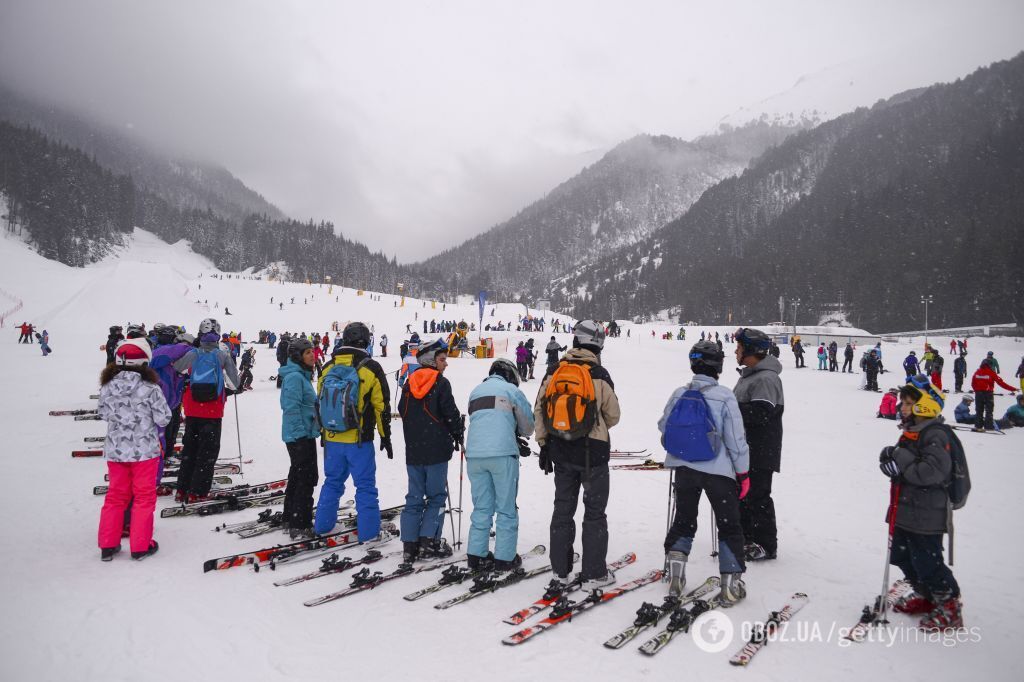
(924,384)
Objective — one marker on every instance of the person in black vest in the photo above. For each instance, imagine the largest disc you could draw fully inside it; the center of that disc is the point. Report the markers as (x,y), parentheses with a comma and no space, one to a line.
(282,355)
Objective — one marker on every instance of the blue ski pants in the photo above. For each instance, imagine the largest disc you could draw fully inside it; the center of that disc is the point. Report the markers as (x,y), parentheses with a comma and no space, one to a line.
(340,461)
(423,515)
(494,483)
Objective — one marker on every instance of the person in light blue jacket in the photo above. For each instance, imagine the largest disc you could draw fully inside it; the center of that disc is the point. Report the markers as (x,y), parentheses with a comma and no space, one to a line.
(716,463)
(500,421)
(299,431)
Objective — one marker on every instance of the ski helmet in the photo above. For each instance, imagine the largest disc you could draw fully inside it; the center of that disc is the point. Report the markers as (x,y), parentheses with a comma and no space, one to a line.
(209,326)
(136,331)
(506,370)
(706,355)
(356,335)
(427,354)
(296,348)
(133,353)
(116,329)
(184,337)
(970,399)
(930,399)
(754,341)
(588,334)
(914,353)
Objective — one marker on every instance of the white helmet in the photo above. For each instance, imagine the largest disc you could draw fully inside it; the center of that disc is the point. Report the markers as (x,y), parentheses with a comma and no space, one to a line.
(588,333)
(209,325)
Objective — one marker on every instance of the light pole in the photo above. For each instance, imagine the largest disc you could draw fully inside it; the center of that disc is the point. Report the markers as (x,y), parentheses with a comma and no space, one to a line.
(926,300)
(795,303)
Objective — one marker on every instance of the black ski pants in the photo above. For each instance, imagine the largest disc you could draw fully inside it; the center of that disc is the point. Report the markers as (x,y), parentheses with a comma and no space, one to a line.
(958,381)
(569,478)
(848,365)
(171,430)
(872,380)
(757,511)
(920,558)
(199,451)
(986,403)
(245,380)
(303,476)
(724,499)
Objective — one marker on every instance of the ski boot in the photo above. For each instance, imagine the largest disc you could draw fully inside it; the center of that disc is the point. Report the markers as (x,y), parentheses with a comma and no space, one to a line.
(913,604)
(476,564)
(107,553)
(153,547)
(510,565)
(755,552)
(597,583)
(733,590)
(675,572)
(301,534)
(410,552)
(947,615)
(434,548)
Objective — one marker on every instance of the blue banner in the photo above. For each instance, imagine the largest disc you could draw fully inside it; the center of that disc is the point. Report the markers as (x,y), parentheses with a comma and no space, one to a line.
(483,302)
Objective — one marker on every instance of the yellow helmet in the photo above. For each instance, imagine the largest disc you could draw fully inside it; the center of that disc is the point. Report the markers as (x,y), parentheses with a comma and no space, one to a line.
(932,399)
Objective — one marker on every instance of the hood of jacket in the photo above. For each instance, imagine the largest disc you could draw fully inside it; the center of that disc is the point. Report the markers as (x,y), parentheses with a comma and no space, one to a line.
(768,364)
(125,383)
(584,355)
(422,380)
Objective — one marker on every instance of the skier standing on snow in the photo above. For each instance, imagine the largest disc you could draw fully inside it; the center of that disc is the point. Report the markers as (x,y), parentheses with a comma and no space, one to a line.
(871,367)
(960,371)
(920,467)
(115,337)
(171,347)
(848,359)
(352,452)
(983,383)
(531,357)
(135,410)
(299,432)
(247,362)
(500,421)
(936,374)
(433,428)
(910,365)
(553,349)
(521,360)
(282,355)
(798,352)
(207,366)
(716,466)
(578,455)
(760,396)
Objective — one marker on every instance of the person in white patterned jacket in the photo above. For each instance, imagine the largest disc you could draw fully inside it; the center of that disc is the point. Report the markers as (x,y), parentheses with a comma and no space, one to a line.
(134,407)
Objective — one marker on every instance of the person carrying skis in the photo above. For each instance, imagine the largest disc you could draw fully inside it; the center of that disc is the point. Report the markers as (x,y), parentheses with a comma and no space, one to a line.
(960,371)
(920,468)
(350,452)
(761,400)
(135,410)
(577,451)
(299,431)
(983,383)
(553,349)
(500,421)
(433,428)
(910,364)
(715,463)
(212,375)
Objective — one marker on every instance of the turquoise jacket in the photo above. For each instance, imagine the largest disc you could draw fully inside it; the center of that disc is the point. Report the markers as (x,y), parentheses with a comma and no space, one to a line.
(298,403)
(498,412)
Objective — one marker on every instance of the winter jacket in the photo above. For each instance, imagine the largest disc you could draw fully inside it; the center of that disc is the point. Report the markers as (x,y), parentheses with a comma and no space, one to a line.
(798,349)
(761,400)
(733,456)
(1020,371)
(248,359)
(135,411)
(911,366)
(888,406)
(922,455)
(282,352)
(213,409)
(298,401)
(870,362)
(848,353)
(595,448)
(962,414)
(111,345)
(985,379)
(960,366)
(553,349)
(172,382)
(374,404)
(937,364)
(1015,414)
(431,421)
(522,354)
(498,412)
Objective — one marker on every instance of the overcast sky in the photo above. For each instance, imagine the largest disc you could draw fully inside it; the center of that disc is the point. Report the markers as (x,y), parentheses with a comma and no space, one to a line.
(413,125)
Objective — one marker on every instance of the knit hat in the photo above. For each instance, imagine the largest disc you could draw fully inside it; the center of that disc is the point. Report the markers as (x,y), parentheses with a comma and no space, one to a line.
(133,353)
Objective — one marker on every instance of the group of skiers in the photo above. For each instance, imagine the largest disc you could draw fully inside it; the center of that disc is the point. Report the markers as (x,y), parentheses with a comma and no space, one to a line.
(28,331)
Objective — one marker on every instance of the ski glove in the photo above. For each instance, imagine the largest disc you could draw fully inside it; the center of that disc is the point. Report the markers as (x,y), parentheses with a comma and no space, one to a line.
(545,460)
(385,446)
(743,484)
(524,446)
(887,464)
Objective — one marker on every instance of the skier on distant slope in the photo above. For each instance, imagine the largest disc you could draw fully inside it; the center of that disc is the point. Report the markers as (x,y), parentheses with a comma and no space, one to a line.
(760,396)
(553,349)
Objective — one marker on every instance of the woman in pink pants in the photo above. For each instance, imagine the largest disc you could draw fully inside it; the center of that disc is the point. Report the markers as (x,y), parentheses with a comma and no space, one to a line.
(136,411)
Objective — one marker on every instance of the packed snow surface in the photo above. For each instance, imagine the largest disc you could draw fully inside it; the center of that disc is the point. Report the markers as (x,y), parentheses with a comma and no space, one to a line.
(69,616)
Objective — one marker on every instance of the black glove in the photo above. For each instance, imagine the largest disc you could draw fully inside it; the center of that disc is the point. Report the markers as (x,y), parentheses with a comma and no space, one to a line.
(524,446)
(545,460)
(385,445)
(887,464)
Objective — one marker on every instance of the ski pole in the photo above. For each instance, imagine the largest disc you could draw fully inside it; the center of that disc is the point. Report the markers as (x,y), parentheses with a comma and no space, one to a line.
(714,534)
(671,499)
(451,512)
(883,607)
(462,461)
(238,433)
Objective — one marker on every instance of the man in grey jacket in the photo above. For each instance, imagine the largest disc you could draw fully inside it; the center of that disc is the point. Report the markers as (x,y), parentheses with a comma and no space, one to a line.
(759,393)
(723,477)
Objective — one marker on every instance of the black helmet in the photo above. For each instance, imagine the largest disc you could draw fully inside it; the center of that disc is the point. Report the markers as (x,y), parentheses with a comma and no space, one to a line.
(356,335)
(506,370)
(754,341)
(705,354)
(116,329)
(296,348)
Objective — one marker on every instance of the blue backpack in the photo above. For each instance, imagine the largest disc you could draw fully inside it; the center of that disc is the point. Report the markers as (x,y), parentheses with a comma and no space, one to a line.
(206,380)
(690,432)
(338,405)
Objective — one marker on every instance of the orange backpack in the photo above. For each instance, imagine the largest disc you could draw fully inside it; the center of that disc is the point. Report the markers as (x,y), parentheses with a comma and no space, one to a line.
(570,404)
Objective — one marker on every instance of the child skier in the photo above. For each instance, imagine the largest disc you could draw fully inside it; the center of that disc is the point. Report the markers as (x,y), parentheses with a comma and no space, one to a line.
(920,467)
(134,408)
(888,408)
(716,466)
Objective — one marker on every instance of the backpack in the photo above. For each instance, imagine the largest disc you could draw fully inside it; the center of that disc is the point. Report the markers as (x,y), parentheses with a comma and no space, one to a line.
(959,486)
(338,404)
(570,404)
(206,377)
(690,432)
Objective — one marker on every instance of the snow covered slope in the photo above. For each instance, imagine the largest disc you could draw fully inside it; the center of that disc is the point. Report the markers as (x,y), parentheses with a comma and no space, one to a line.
(69,616)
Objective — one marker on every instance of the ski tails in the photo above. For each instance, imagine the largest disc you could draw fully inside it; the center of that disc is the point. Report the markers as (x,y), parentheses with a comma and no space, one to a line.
(762,633)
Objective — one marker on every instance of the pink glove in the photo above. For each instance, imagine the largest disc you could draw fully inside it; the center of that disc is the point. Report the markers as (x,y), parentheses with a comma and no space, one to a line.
(743,484)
